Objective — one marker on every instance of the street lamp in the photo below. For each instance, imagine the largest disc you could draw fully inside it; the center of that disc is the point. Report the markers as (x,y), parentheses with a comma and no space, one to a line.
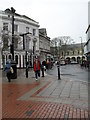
(12,45)
(24,48)
(59,61)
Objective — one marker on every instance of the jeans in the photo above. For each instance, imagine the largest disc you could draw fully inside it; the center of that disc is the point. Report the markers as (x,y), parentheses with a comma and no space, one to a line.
(36,74)
(9,76)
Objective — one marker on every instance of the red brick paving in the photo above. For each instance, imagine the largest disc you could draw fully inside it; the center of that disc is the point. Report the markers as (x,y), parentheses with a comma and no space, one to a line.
(0,101)
(13,108)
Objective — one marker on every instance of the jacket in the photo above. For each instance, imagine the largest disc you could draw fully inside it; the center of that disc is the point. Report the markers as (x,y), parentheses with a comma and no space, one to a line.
(38,65)
(7,67)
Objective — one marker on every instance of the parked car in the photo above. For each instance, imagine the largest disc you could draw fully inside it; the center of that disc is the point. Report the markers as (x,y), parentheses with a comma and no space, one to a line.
(73,62)
(62,62)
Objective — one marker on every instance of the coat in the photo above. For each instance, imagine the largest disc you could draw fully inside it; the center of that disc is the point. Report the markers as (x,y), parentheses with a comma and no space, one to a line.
(38,65)
(7,67)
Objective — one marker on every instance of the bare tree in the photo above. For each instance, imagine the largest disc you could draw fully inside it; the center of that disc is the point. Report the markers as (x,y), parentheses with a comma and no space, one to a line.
(61,42)
(66,40)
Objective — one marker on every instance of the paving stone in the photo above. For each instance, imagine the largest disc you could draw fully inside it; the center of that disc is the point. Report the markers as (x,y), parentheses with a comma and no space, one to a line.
(47,98)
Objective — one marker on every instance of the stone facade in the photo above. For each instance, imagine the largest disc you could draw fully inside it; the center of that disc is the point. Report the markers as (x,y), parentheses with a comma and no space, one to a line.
(22,24)
(44,44)
(73,52)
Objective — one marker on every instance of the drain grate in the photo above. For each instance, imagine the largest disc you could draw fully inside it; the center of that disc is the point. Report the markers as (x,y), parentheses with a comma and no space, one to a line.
(28,113)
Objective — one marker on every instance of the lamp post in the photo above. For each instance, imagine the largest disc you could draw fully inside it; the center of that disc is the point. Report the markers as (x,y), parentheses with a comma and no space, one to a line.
(59,60)
(24,48)
(12,45)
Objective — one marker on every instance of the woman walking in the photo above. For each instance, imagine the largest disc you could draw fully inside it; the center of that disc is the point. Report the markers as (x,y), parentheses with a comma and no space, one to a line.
(8,71)
(36,68)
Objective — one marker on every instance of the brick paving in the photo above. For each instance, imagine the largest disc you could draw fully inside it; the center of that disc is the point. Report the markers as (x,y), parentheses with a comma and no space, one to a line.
(46,98)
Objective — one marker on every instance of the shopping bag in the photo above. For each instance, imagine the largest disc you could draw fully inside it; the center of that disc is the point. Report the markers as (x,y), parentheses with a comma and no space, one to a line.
(11,69)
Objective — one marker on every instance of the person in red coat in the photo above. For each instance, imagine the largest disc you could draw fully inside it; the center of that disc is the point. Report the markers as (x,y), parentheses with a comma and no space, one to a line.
(36,68)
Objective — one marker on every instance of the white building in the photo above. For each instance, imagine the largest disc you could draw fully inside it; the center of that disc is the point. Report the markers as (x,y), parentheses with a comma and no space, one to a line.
(22,25)
(87,45)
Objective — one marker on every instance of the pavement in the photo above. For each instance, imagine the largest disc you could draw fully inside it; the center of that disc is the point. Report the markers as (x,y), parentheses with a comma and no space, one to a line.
(46,98)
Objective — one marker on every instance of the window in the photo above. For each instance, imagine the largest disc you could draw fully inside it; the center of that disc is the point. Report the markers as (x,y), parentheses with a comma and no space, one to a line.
(27,29)
(62,53)
(34,32)
(16,28)
(5,43)
(15,43)
(34,47)
(68,53)
(5,26)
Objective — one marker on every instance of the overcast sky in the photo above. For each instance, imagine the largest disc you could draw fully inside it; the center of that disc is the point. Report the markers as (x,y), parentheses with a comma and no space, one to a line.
(59,17)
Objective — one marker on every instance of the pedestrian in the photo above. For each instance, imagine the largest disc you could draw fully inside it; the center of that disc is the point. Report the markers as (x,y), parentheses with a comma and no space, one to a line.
(42,69)
(8,70)
(44,64)
(37,68)
(85,63)
(47,64)
(81,63)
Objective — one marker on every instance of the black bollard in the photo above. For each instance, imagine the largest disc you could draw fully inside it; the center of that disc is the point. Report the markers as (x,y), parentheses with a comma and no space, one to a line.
(26,73)
(27,70)
(58,66)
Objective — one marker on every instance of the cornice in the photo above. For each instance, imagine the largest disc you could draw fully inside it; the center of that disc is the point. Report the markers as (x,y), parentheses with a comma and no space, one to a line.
(48,38)
(19,20)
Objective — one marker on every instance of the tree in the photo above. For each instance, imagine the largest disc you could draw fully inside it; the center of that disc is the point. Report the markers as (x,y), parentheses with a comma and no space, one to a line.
(61,42)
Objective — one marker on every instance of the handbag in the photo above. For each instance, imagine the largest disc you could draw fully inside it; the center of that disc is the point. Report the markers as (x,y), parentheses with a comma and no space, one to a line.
(11,69)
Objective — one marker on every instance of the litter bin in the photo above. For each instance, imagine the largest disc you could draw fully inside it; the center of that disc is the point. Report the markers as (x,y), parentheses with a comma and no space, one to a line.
(14,66)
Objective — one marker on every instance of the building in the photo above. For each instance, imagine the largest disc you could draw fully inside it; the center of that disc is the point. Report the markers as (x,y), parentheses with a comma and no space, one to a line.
(72,52)
(30,42)
(87,45)
(44,44)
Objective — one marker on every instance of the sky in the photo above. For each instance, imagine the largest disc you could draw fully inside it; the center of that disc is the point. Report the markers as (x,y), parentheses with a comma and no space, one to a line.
(59,17)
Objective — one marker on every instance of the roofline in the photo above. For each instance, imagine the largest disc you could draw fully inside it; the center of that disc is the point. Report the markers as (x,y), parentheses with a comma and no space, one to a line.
(44,36)
(88,28)
(87,42)
(24,16)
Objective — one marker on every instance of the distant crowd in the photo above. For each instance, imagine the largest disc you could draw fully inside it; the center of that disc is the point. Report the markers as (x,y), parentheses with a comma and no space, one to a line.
(85,63)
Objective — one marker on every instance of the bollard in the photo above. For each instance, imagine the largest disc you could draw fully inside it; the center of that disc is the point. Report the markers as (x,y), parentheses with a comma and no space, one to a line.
(27,67)
(58,66)
(26,73)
